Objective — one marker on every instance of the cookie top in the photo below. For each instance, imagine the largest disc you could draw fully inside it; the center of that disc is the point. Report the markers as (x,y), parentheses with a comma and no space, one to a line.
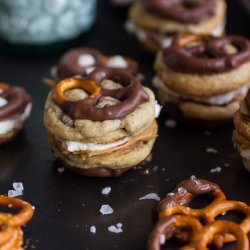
(13,101)
(204,54)
(182,11)
(81,61)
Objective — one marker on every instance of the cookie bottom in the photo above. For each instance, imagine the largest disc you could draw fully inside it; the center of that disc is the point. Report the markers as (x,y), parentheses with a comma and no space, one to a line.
(9,136)
(246,164)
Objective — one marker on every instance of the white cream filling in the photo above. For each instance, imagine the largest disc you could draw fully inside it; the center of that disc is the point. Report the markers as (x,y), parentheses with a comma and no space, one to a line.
(8,125)
(245,153)
(142,35)
(73,146)
(213,100)
(117,62)
(86,60)
(219,30)
(158,108)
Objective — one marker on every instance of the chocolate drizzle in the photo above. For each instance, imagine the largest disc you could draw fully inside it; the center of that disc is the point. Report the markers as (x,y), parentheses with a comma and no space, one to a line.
(209,56)
(185,192)
(182,11)
(17,99)
(130,97)
(69,66)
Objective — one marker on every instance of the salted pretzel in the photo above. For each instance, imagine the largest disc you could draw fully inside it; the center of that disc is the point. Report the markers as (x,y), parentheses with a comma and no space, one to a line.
(200,237)
(130,96)
(17,100)
(189,12)
(69,66)
(207,54)
(11,235)
(181,197)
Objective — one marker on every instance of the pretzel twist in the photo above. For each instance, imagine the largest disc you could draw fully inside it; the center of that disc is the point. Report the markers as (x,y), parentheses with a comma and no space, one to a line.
(177,204)
(11,234)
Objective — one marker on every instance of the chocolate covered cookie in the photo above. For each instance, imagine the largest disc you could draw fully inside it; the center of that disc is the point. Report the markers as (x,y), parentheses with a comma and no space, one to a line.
(202,79)
(102,124)
(157,22)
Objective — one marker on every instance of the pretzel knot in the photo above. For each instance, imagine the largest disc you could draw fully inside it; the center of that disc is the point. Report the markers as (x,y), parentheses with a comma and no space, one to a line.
(206,54)
(177,203)
(200,237)
(11,235)
(129,96)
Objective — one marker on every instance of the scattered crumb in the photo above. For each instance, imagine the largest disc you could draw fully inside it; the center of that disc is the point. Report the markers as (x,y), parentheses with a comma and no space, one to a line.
(60,170)
(106,209)
(106,190)
(151,196)
(207,133)
(92,229)
(170,123)
(115,229)
(212,150)
(216,170)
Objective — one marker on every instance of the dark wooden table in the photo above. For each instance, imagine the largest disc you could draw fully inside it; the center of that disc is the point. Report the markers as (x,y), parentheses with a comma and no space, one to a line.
(66,204)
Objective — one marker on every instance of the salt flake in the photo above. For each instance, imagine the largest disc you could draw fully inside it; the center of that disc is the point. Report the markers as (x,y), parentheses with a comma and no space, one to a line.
(216,170)
(18,186)
(92,229)
(114,229)
(106,190)
(106,209)
(151,196)
(212,150)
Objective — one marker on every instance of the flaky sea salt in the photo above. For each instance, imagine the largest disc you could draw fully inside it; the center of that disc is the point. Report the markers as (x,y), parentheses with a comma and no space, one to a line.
(170,194)
(114,229)
(212,150)
(182,191)
(92,229)
(106,209)
(170,123)
(216,170)
(60,170)
(14,193)
(151,196)
(119,225)
(106,190)
(18,186)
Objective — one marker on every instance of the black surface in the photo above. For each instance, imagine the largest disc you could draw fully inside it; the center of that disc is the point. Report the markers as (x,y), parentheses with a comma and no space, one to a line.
(66,204)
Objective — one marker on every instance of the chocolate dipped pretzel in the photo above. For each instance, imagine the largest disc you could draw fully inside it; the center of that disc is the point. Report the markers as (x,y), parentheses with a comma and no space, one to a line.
(183,11)
(130,96)
(177,203)
(207,55)
(199,237)
(81,61)
(11,235)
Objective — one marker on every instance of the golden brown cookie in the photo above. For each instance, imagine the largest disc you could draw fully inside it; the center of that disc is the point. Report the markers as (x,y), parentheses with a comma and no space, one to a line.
(101,123)
(156,23)
(203,78)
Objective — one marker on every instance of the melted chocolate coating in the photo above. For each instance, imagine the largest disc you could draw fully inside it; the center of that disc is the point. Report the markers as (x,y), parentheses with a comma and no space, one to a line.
(192,187)
(69,67)
(182,11)
(209,57)
(130,97)
(17,99)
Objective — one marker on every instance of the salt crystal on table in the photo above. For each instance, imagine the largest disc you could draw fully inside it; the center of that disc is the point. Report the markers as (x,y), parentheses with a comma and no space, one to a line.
(170,194)
(162,239)
(92,229)
(106,190)
(60,170)
(170,123)
(114,229)
(14,193)
(119,225)
(151,196)
(106,209)
(215,170)
(212,150)
(18,186)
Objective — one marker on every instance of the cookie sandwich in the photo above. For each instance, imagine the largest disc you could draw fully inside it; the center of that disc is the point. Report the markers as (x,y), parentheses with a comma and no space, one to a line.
(241,134)
(15,108)
(202,79)
(82,61)
(157,22)
(102,124)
